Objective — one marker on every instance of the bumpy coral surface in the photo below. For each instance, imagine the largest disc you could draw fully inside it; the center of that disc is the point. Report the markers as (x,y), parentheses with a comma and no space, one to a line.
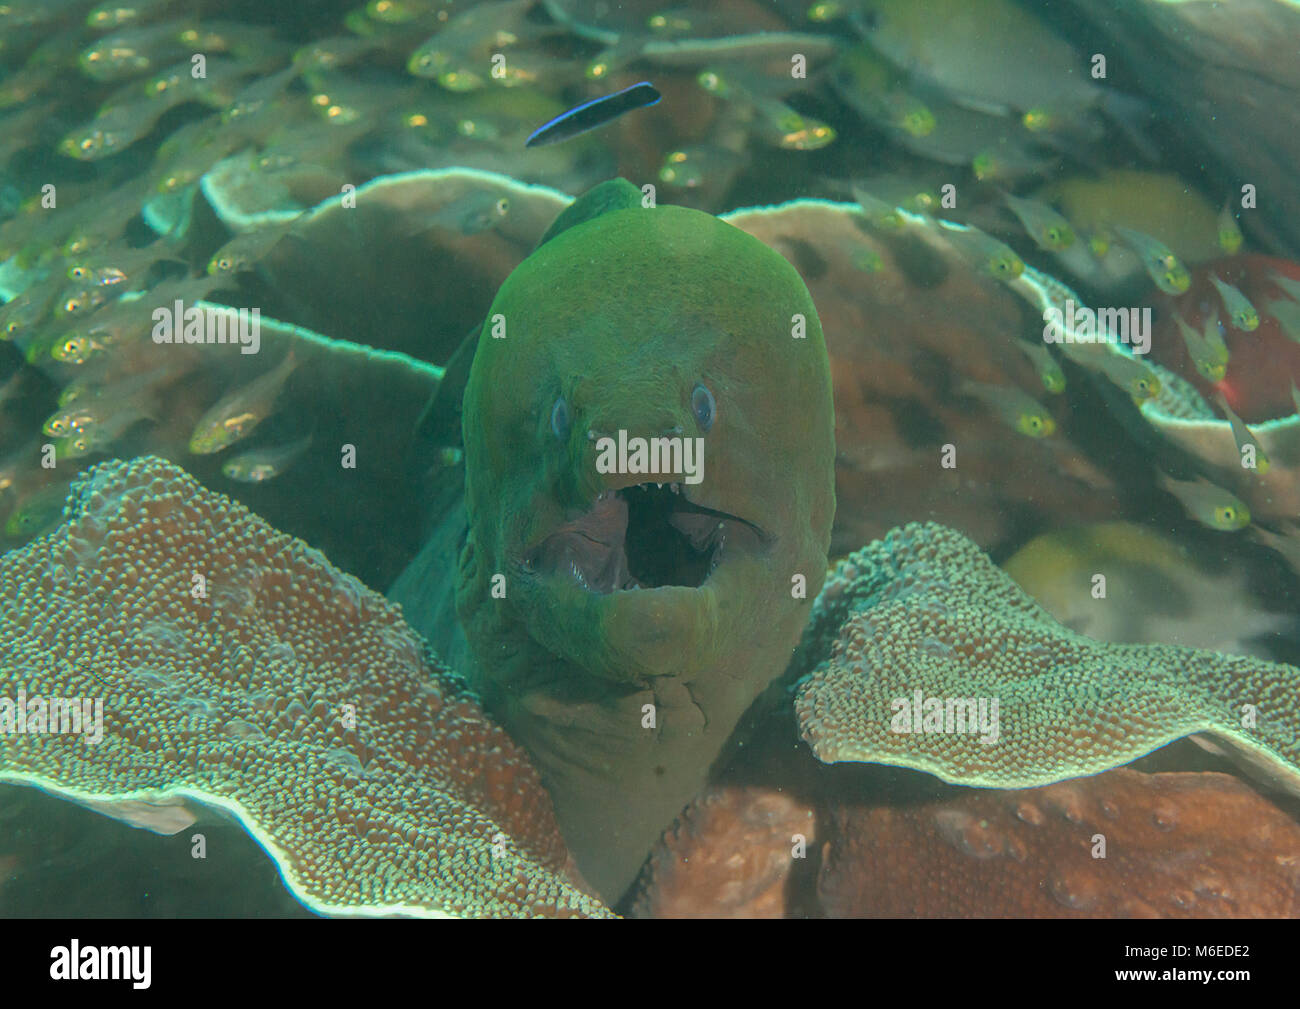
(1122,844)
(238,669)
(939,662)
(731,854)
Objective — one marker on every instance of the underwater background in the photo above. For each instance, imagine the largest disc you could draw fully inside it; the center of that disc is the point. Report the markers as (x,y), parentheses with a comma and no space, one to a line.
(939,172)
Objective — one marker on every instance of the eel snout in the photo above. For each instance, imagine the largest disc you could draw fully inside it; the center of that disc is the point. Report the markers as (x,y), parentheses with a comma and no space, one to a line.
(643,536)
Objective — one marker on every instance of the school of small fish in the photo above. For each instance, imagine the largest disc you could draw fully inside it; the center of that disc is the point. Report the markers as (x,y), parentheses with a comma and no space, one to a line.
(119,120)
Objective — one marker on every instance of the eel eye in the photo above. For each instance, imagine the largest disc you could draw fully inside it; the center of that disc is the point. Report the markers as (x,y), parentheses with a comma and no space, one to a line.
(560,419)
(703,406)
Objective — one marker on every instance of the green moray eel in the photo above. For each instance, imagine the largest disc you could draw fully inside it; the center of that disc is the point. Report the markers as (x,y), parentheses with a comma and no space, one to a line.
(619,630)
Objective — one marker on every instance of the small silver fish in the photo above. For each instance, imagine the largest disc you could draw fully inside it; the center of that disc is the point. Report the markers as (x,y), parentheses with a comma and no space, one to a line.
(1049,371)
(1210,505)
(234,416)
(1015,407)
(246,250)
(473,215)
(260,464)
(879,214)
(1207,362)
(1242,436)
(1162,266)
(985,252)
(1045,226)
(1230,237)
(1240,310)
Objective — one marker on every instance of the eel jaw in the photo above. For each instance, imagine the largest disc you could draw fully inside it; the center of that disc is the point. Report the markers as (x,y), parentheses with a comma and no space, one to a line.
(642,536)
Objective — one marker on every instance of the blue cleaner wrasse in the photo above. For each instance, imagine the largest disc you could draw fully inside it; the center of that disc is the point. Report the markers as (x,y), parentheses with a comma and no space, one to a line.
(595,113)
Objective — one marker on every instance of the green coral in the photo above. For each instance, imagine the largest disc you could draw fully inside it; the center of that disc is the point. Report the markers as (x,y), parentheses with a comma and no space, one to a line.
(925,610)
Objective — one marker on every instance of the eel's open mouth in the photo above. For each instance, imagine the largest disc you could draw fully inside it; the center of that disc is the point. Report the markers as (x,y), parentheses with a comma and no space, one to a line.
(642,537)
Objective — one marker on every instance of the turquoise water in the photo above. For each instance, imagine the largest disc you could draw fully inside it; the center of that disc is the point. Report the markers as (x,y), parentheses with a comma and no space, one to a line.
(160,154)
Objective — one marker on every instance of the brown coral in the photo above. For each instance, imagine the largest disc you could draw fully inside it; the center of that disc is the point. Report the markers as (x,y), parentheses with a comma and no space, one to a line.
(1121,844)
(731,854)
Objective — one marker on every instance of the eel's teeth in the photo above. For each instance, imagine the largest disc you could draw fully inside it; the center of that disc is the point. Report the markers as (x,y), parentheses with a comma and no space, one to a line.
(720,541)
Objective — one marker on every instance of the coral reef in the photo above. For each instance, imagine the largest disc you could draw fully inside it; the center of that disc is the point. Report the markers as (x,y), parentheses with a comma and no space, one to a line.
(939,662)
(1118,845)
(246,673)
(729,855)
(360,176)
